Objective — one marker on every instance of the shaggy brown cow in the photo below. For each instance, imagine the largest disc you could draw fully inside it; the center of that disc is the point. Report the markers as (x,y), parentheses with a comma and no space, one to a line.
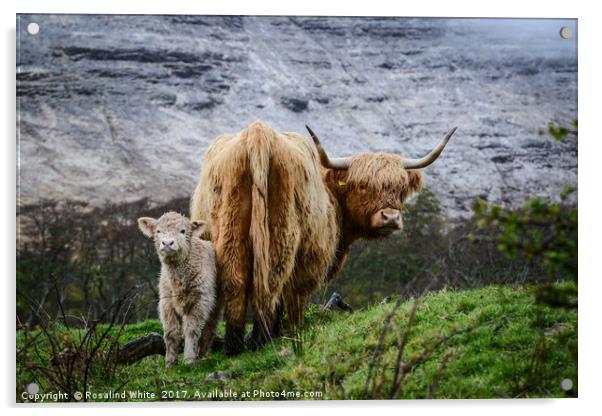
(282,216)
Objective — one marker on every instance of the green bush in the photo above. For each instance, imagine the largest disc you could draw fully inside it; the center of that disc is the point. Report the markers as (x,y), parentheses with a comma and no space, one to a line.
(538,230)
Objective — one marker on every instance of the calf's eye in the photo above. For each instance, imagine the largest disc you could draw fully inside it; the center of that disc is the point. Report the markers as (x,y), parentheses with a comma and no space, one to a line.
(183,231)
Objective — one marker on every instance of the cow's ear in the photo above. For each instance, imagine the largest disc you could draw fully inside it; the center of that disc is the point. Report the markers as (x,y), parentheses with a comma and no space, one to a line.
(337,180)
(198,227)
(415,181)
(147,225)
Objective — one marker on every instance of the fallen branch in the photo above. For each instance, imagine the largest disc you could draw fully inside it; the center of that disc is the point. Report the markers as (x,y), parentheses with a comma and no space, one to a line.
(137,349)
(151,344)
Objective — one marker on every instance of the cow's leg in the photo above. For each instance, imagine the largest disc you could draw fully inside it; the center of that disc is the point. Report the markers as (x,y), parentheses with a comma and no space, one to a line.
(235,277)
(311,273)
(296,299)
(233,252)
(284,238)
(267,315)
(171,332)
(235,301)
(277,326)
(260,335)
(261,332)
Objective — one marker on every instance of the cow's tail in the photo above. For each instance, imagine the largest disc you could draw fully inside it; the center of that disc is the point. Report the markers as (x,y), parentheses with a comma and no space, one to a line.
(259,140)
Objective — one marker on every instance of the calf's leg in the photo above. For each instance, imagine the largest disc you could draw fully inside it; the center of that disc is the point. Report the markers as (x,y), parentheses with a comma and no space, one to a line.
(206,341)
(171,332)
(193,328)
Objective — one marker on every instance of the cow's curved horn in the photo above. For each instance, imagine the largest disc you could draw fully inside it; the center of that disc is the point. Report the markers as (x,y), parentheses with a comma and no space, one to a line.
(431,157)
(336,163)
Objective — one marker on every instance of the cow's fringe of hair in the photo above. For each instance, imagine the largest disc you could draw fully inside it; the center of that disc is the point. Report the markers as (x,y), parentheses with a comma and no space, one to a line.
(259,149)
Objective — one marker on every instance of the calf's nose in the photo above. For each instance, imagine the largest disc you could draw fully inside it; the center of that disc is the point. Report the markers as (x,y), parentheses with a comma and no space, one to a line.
(167,243)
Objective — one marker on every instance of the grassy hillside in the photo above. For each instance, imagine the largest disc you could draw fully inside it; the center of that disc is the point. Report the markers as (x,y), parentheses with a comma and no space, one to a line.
(485,343)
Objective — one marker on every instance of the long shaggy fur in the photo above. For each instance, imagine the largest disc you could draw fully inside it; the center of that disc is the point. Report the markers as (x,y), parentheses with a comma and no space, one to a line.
(281,223)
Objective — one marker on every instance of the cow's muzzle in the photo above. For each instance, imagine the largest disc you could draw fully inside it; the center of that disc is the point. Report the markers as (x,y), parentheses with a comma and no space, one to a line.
(387,220)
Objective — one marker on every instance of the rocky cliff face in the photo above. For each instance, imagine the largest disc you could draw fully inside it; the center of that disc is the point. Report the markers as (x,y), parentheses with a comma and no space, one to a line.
(121,107)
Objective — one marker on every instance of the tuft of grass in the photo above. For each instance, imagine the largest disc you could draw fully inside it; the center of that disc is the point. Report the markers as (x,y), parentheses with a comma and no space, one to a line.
(501,344)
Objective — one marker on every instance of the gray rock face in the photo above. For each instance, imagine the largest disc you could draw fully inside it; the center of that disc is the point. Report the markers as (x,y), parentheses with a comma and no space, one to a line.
(121,107)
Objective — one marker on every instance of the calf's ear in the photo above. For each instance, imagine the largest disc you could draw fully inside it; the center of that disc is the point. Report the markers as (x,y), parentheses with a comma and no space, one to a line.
(415,181)
(198,227)
(147,225)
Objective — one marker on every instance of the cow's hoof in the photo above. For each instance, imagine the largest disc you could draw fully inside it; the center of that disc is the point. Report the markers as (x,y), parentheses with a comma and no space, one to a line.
(257,338)
(217,343)
(232,350)
(234,341)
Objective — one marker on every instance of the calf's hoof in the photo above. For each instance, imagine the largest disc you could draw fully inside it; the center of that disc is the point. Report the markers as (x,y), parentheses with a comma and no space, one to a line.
(170,363)
(189,360)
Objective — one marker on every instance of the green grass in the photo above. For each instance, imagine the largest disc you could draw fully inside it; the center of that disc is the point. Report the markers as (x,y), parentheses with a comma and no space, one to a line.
(516,348)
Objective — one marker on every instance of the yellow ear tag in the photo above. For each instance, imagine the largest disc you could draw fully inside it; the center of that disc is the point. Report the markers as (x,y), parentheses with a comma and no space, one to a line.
(342,183)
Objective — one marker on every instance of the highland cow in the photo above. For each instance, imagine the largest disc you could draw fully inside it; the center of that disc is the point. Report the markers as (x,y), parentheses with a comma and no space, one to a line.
(188,285)
(282,216)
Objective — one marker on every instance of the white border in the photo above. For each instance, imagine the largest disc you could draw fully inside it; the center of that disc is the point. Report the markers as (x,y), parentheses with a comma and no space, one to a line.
(590,140)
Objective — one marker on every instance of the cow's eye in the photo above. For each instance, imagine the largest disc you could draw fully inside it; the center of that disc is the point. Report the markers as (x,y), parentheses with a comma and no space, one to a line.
(183,231)
(158,231)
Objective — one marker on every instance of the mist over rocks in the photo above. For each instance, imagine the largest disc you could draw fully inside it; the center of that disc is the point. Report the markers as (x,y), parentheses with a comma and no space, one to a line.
(115,108)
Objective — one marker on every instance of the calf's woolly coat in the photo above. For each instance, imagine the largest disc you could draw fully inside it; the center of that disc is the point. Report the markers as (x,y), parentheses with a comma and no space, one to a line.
(188,285)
